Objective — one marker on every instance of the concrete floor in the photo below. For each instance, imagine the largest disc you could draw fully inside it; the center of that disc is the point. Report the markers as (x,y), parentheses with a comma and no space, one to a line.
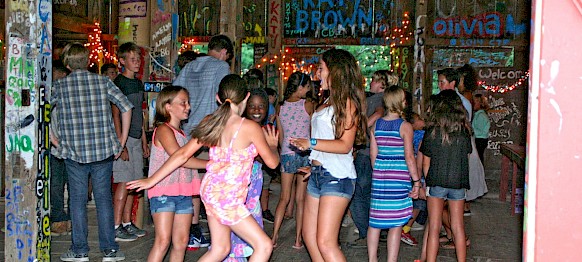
(495,236)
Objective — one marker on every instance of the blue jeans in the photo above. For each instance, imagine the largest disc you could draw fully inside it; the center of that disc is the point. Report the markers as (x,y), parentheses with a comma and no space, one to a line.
(360,205)
(101,173)
(58,181)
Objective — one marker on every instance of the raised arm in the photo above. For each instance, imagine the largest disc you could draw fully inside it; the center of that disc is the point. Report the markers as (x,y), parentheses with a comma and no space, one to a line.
(266,144)
(179,158)
(165,138)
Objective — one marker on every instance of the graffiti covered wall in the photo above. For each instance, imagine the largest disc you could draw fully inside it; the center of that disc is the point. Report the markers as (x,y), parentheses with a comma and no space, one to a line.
(198,17)
(28,74)
(492,37)
(164,28)
(349,22)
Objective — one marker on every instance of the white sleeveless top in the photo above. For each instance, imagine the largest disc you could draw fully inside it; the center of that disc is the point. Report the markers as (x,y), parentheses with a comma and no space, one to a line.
(338,165)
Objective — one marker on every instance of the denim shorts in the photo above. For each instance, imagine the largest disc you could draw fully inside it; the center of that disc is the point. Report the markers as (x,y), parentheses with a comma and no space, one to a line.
(446,193)
(176,204)
(291,162)
(322,183)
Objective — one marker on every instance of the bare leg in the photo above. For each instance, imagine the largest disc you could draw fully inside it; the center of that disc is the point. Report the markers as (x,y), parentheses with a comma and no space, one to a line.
(331,211)
(119,200)
(458,226)
(300,190)
(180,236)
(310,214)
(196,206)
(265,199)
(435,214)
(393,243)
(447,220)
(128,207)
(220,241)
(163,231)
(284,199)
(372,239)
(291,204)
(424,244)
(250,231)
(415,213)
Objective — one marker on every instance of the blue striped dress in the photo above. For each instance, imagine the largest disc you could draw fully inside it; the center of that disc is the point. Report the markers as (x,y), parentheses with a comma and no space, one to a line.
(390,205)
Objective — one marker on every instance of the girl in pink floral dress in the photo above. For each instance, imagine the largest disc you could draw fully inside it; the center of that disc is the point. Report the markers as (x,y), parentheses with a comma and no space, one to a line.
(234,142)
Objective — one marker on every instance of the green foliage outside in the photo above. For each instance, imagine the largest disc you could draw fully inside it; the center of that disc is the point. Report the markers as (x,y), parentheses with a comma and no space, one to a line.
(371,58)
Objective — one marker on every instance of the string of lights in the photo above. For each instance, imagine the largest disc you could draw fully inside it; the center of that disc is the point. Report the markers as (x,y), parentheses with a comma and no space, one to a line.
(505,88)
(97,53)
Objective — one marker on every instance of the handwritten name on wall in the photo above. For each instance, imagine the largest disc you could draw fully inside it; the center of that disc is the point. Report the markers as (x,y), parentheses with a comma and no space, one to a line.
(329,19)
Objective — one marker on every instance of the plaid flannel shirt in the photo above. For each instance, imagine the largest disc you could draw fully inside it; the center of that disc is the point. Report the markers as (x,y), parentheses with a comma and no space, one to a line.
(84,126)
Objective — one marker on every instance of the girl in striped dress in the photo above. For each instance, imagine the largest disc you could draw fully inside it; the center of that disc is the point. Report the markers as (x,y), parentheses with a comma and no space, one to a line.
(392,156)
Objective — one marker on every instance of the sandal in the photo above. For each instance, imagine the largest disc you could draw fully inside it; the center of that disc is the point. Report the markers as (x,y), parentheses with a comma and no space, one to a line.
(451,244)
(297,247)
(445,239)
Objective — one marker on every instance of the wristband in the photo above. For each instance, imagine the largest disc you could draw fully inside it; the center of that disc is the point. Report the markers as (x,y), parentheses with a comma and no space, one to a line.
(312,143)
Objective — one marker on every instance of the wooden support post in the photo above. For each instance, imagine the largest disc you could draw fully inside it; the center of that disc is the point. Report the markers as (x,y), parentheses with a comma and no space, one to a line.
(28,71)
(275,38)
(231,25)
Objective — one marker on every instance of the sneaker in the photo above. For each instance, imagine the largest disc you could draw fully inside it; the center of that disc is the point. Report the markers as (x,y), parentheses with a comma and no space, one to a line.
(113,255)
(347,221)
(132,229)
(268,216)
(358,243)
(121,235)
(59,228)
(197,242)
(71,256)
(417,227)
(467,213)
(193,243)
(408,239)
(204,242)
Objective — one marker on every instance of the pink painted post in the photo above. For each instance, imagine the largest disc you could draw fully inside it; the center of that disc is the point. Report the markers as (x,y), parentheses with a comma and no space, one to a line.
(553,180)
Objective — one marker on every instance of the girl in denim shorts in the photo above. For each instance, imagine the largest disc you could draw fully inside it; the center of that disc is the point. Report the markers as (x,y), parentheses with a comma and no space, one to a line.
(336,125)
(171,196)
(294,117)
(446,147)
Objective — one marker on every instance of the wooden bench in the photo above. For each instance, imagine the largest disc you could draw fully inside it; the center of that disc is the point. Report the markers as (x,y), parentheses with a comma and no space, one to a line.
(516,155)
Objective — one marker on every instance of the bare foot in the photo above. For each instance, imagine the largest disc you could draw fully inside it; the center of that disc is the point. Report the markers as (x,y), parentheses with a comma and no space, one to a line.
(274,241)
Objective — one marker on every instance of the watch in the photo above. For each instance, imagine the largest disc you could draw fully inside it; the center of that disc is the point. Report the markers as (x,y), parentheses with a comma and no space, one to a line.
(312,143)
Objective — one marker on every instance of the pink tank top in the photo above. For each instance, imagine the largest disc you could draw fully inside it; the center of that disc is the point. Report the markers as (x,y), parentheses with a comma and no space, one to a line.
(178,183)
(295,123)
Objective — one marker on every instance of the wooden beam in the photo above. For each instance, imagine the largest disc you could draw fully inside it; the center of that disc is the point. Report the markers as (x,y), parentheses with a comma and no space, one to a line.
(72,24)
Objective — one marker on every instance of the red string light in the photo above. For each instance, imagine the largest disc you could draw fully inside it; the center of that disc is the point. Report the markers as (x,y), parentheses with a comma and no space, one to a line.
(505,88)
